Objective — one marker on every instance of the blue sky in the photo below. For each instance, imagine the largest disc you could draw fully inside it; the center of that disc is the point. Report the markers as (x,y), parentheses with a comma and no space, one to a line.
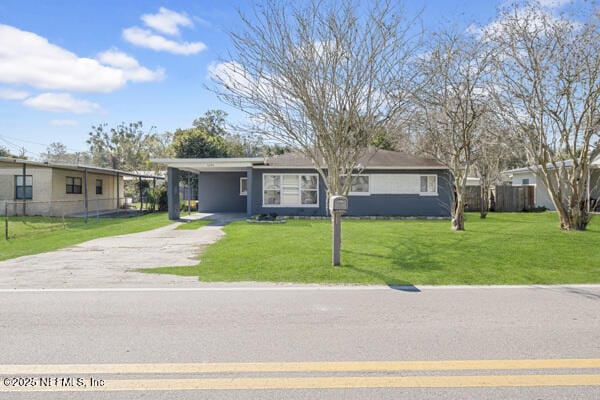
(67,65)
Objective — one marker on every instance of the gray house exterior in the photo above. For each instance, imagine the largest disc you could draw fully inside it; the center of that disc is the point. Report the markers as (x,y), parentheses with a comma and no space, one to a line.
(388,184)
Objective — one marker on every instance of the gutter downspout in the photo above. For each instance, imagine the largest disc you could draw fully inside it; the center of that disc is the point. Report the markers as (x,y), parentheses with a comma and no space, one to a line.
(118,194)
(24,187)
(85,195)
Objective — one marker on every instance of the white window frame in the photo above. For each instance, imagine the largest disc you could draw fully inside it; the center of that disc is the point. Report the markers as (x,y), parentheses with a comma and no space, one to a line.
(281,190)
(436,185)
(367,193)
(243,192)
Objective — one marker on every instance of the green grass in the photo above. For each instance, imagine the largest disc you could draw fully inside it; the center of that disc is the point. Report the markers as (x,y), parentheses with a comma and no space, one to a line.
(32,235)
(199,223)
(505,248)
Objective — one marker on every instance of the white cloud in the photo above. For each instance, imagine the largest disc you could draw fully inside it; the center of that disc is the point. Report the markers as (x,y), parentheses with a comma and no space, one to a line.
(231,74)
(11,94)
(148,39)
(553,3)
(29,59)
(61,102)
(535,21)
(63,122)
(131,68)
(167,21)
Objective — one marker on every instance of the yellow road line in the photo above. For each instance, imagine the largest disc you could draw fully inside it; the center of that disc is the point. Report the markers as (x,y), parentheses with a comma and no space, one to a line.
(329,383)
(343,366)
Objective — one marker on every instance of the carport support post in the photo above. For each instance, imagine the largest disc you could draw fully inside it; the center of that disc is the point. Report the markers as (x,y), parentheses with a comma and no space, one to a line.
(118,191)
(153,194)
(85,193)
(6,220)
(141,194)
(189,193)
(173,192)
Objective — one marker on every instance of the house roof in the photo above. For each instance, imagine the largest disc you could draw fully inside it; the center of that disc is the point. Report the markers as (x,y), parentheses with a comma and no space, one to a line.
(76,167)
(372,159)
(566,163)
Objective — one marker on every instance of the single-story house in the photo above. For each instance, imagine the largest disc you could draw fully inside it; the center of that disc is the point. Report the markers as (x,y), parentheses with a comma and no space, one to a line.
(528,176)
(388,183)
(55,189)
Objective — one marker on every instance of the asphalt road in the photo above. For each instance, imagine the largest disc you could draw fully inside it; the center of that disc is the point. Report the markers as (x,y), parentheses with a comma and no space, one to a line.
(278,342)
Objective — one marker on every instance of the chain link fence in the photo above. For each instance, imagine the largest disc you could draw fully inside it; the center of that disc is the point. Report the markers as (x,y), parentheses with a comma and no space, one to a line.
(24,218)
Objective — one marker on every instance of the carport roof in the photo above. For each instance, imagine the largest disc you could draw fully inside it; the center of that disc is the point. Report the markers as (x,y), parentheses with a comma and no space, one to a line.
(211,164)
(78,167)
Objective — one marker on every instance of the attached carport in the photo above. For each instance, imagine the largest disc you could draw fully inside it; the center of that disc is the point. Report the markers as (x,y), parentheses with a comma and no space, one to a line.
(221,183)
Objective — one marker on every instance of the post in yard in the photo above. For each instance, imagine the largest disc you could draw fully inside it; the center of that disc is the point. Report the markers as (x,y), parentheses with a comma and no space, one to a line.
(338,206)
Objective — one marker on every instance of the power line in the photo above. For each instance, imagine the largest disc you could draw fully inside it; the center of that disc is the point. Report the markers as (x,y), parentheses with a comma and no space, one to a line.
(5,137)
(16,146)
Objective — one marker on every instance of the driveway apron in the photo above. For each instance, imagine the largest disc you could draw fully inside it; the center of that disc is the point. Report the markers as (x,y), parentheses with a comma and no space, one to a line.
(112,261)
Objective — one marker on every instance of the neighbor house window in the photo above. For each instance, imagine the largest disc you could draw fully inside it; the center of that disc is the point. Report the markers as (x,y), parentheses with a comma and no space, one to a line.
(359,185)
(243,186)
(98,186)
(73,185)
(428,184)
(23,190)
(525,181)
(290,190)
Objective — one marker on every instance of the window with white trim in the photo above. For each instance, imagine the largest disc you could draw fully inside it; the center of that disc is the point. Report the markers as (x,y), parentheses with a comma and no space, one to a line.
(243,186)
(23,191)
(428,185)
(359,185)
(290,190)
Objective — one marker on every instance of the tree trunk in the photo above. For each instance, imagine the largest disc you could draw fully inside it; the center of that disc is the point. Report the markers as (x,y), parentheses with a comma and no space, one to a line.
(458,221)
(458,212)
(484,194)
(574,219)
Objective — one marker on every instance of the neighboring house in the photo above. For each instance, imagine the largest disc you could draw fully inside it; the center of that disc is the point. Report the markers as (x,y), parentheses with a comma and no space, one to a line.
(388,184)
(54,189)
(473,181)
(527,176)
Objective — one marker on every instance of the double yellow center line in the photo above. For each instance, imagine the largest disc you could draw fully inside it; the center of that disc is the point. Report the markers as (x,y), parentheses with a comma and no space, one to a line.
(100,373)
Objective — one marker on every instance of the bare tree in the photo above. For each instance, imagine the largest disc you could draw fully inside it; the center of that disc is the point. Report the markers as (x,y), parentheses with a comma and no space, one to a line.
(450,104)
(495,150)
(549,89)
(58,152)
(317,77)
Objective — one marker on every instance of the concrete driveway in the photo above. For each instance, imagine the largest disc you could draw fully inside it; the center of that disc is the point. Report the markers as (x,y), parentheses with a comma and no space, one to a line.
(111,261)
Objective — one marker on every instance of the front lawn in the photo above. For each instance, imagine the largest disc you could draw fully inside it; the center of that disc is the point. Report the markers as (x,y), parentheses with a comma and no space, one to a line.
(505,248)
(33,235)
